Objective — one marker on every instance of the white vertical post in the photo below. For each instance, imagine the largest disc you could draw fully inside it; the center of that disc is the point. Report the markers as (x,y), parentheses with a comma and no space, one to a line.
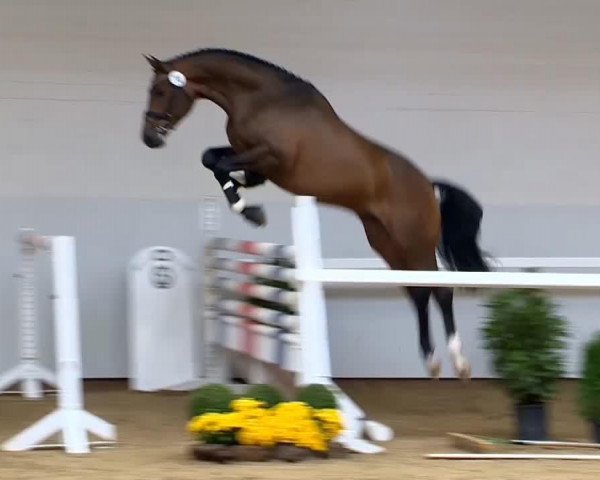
(66,330)
(314,340)
(69,419)
(215,364)
(29,373)
(314,352)
(30,385)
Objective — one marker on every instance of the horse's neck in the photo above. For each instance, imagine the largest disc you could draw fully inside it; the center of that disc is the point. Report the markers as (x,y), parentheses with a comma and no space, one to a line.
(230,83)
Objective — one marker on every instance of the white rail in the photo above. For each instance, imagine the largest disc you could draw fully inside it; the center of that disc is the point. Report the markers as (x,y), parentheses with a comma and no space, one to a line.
(506,262)
(453,279)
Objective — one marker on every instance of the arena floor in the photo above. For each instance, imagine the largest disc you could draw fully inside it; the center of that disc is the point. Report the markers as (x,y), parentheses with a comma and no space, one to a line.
(153,439)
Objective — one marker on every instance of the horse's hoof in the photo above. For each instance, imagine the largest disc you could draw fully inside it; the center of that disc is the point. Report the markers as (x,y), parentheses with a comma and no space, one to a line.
(255,215)
(435,367)
(464,371)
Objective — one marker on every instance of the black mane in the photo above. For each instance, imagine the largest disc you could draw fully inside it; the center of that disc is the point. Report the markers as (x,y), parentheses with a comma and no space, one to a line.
(246,57)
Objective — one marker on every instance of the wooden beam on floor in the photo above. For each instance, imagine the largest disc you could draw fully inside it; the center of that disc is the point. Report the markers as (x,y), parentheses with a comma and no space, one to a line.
(555,444)
(471,443)
(509,456)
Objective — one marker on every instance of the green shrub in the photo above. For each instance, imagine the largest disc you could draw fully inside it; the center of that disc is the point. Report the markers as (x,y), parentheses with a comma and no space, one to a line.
(265,393)
(589,391)
(317,396)
(525,336)
(211,398)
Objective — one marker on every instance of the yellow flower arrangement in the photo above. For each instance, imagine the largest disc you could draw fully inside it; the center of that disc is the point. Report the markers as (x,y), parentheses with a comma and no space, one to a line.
(246,404)
(293,423)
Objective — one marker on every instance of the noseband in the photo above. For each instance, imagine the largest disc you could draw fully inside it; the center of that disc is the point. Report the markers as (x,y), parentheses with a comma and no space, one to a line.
(178,82)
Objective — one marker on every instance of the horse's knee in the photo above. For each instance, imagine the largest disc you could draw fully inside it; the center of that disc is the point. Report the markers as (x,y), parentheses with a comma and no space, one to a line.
(209,159)
(253,179)
(212,156)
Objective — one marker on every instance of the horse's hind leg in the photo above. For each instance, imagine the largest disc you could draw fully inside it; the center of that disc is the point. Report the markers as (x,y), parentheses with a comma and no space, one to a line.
(421,259)
(393,253)
(420,299)
(444,298)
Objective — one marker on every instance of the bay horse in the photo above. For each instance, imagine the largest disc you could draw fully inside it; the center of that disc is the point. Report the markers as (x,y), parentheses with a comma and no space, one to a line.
(282,129)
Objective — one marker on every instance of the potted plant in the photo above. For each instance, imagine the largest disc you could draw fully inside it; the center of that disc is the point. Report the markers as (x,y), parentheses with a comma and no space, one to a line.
(589,390)
(526,336)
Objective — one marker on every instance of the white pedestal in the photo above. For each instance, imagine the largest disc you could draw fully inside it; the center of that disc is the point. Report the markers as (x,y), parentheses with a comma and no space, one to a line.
(31,377)
(72,424)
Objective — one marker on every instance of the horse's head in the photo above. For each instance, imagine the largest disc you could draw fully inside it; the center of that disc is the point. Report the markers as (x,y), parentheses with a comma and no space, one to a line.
(170,98)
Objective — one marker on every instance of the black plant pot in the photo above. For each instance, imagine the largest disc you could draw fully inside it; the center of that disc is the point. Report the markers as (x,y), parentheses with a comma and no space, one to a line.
(596,430)
(531,421)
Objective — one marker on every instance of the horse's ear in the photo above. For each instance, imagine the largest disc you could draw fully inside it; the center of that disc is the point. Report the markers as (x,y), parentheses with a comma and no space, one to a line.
(156,64)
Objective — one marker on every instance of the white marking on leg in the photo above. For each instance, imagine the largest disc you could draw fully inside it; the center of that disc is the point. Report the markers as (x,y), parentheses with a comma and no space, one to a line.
(454,344)
(228,185)
(239,175)
(239,205)
(460,362)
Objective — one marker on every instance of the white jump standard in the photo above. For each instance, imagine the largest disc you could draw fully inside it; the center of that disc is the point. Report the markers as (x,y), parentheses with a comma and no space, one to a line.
(294,340)
(29,374)
(69,420)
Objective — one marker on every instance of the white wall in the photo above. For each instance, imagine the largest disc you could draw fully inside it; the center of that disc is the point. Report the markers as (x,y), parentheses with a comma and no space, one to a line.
(500,95)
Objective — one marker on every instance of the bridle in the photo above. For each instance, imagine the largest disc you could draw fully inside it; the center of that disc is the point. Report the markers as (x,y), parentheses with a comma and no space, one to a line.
(163,121)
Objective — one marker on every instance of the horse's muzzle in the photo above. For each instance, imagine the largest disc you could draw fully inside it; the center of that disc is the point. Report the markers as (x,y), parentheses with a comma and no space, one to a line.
(153,139)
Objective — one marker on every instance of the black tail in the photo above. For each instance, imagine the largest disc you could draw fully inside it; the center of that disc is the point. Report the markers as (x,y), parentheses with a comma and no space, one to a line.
(461,219)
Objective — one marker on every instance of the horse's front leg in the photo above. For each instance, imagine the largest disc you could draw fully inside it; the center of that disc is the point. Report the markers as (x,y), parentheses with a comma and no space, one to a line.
(231,181)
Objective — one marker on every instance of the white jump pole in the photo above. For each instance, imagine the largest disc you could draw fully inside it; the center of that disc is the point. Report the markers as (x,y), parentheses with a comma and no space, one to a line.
(70,420)
(29,373)
(315,358)
(316,364)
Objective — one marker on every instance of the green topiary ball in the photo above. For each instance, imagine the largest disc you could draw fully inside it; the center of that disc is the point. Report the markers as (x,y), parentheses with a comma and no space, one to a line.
(526,337)
(211,398)
(317,396)
(589,385)
(265,393)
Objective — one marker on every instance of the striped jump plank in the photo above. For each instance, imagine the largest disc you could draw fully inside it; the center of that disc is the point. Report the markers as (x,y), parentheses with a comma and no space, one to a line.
(269,272)
(227,332)
(263,292)
(261,342)
(274,250)
(258,314)
(274,345)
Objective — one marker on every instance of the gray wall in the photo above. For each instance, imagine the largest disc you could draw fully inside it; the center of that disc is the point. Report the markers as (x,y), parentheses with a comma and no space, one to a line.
(501,96)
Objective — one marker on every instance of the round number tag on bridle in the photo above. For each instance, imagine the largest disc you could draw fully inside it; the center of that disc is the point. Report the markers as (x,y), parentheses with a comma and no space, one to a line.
(177,78)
